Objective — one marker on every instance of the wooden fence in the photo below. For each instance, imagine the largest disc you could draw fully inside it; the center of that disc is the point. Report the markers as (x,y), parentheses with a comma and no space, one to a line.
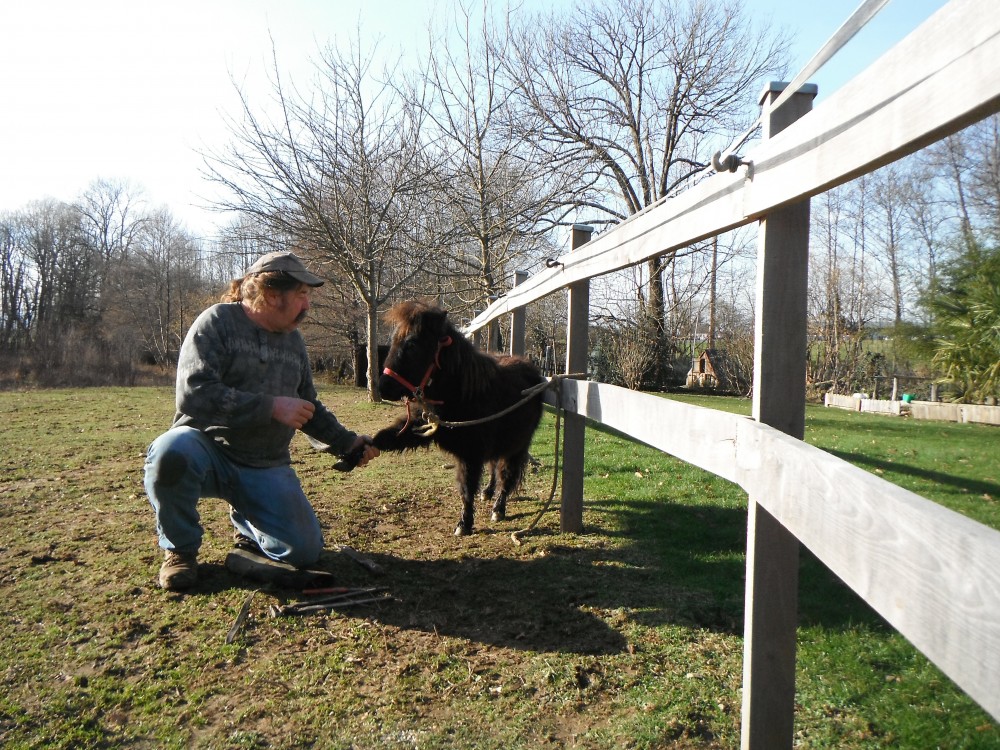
(931,573)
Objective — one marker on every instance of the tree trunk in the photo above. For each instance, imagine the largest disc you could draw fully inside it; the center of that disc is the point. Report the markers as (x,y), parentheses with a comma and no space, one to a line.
(656,312)
(373,369)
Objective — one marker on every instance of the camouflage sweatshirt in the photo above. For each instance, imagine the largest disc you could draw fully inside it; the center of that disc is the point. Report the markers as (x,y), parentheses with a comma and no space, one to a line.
(229,372)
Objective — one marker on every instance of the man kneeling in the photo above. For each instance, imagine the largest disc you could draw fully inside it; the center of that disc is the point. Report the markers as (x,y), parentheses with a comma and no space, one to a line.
(244,386)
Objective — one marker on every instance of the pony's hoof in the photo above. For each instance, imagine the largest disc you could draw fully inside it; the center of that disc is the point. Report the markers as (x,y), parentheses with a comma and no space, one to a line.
(498,515)
(460,530)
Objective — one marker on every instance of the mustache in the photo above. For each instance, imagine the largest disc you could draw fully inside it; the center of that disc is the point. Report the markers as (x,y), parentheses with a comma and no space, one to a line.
(300,317)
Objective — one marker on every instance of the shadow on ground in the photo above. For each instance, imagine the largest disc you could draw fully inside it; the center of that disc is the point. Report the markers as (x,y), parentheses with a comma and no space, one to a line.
(678,565)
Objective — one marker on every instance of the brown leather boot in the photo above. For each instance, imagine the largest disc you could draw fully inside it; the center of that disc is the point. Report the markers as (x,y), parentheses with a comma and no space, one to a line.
(179,570)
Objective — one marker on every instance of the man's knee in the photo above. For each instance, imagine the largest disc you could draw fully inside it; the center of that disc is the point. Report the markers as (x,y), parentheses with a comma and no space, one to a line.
(169,457)
(169,469)
(299,552)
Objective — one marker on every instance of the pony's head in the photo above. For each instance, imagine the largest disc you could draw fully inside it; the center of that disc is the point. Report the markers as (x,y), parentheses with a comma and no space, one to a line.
(421,332)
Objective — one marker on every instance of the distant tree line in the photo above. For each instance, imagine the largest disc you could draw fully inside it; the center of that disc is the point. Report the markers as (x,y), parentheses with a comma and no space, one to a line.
(444,178)
(89,290)
(902,266)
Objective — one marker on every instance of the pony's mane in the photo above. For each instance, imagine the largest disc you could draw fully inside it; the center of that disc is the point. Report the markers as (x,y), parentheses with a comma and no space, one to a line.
(406,316)
(474,369)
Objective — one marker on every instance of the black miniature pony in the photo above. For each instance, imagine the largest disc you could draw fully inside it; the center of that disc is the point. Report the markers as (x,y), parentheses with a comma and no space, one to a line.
(445,379)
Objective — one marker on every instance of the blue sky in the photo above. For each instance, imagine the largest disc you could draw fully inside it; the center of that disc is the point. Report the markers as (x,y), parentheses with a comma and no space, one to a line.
(132,89)
(811,28)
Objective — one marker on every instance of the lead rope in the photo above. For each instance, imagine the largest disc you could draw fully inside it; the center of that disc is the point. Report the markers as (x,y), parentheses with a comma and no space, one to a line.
(528,393)
(556,383)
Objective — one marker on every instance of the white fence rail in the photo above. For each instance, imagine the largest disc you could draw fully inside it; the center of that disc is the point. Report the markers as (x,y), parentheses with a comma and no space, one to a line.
(930,572)
(933,574)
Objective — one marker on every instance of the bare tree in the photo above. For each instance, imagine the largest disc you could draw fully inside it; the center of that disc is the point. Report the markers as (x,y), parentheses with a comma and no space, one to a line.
(864,273)
(52,245)
(111,215)
(635,94)
(497,197)
(954,194)
(238,244)
(341,172)
(15,289)
(837,277)
(951,159)
(889,220)
(928,215)
(983,143)
(161,287)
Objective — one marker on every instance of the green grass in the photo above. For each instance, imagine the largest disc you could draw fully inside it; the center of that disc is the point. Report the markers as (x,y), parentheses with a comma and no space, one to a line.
(625,636)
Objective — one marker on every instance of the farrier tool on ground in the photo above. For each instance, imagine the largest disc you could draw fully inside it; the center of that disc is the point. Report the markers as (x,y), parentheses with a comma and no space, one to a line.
(348,598)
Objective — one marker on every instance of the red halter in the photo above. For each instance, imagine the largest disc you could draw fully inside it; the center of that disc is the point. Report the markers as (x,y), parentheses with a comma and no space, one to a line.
(417,391)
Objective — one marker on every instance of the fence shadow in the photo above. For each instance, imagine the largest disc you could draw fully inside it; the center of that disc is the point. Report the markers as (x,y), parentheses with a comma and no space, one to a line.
(961,485)
(582,599)
(709,557)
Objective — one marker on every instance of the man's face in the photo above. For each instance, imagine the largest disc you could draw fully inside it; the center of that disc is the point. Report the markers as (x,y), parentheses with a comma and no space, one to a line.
(285,310)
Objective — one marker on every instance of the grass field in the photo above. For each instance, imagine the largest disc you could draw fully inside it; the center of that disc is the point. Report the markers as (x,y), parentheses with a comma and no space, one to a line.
(625,636)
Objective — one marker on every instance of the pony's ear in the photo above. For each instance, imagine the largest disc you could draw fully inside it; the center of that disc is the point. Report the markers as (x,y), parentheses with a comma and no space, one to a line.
(438,319)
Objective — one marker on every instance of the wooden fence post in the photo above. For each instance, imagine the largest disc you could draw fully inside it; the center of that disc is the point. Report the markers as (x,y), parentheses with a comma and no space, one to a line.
(779,382)
(477,338)
(574,425)
(517,325)
(494,338)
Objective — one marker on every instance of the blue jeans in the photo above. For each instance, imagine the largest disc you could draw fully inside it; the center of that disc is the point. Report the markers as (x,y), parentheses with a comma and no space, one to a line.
(268,505)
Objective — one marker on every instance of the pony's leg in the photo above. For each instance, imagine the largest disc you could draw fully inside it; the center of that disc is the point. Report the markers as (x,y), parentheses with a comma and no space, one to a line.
(390,439)
(510,471)
(499,477)
(491,487)
(468,474)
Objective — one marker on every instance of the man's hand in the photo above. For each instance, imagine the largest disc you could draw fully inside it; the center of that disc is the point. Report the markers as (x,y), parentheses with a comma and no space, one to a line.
(293,412)
(359,454)
(370,450)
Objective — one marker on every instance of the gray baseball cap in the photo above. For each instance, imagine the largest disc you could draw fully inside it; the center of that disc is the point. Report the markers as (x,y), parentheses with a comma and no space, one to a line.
(287,263)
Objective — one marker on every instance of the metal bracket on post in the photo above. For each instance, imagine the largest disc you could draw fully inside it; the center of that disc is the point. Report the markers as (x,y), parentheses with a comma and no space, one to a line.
(730,163)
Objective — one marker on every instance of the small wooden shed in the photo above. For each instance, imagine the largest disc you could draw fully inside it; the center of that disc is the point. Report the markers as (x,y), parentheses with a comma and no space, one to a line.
(714,370)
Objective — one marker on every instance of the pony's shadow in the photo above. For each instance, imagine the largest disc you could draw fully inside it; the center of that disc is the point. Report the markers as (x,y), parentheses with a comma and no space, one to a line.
(565,599)
(585,599)
(579,599)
